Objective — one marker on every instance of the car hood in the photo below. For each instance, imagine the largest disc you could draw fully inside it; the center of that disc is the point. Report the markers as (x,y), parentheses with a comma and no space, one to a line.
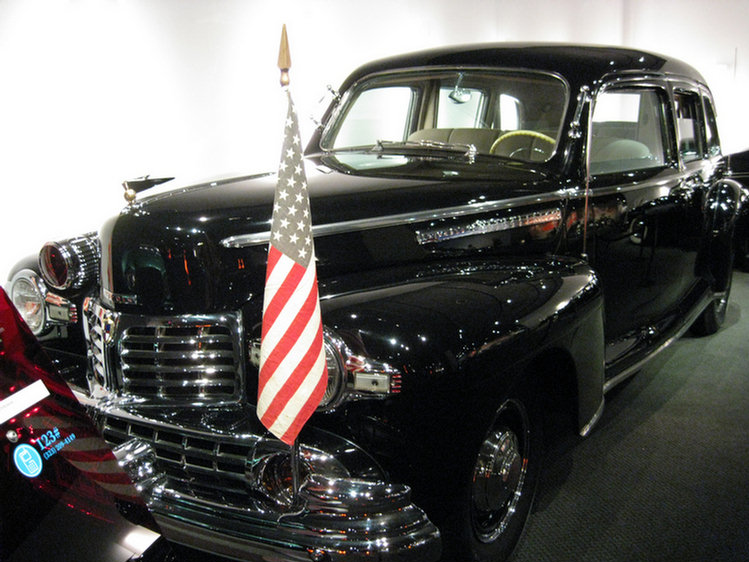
(204,247)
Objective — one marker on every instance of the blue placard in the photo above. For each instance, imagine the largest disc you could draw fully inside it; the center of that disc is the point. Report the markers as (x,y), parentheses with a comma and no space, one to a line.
(28,461)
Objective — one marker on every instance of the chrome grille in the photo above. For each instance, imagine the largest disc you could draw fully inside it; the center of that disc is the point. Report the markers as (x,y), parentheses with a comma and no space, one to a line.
(93,326)
(211,469)
(165,359)
(184,361)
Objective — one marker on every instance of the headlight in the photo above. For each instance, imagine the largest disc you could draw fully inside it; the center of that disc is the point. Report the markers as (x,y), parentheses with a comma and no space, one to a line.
(336,374)
(352,374)
(40,309)
(71,263)
(27,292)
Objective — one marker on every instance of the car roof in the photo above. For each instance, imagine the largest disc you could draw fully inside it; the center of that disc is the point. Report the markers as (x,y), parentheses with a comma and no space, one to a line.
(578,64)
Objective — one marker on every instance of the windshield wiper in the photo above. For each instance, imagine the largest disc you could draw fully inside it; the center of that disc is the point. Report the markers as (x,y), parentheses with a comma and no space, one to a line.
(469,151)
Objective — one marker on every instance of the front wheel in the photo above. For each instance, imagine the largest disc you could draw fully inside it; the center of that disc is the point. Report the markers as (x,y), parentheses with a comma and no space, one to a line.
(498,499)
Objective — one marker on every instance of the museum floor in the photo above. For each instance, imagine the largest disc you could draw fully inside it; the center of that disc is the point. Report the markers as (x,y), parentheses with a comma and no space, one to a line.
(665,474)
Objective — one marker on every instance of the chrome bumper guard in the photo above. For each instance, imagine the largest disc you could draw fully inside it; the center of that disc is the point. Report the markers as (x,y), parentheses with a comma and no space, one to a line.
(332,519)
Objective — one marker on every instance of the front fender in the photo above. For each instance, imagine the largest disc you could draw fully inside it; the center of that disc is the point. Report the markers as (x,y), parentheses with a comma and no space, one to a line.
(462,335)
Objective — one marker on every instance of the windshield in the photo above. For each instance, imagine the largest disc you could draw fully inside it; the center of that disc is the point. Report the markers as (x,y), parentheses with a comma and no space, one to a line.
(510,113)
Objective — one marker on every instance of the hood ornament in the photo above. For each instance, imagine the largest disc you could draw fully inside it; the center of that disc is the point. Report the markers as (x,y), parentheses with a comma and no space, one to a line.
(136,185)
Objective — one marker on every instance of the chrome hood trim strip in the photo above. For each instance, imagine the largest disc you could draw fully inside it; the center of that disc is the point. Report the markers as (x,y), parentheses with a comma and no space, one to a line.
(344,227)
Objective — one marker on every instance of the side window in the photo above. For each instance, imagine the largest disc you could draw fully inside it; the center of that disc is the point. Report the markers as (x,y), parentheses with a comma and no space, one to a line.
(711,130)
(377,114)
(627,131)
(459,107)
(689,125)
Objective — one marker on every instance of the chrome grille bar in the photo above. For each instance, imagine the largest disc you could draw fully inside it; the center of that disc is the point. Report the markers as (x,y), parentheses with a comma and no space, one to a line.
(166,359)
(186,360)
(195,360)
(93,327)
(203,468)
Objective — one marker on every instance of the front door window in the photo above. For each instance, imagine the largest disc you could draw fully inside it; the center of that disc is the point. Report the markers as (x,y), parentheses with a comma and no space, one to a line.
(627,131)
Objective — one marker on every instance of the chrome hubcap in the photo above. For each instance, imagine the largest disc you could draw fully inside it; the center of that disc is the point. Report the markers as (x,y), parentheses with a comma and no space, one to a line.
(498,479)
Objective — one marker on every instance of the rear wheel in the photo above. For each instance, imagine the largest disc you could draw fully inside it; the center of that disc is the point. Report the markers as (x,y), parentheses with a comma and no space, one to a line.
(714,315)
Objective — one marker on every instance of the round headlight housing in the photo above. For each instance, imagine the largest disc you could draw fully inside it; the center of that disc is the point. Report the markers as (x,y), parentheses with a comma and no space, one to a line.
(27,291)
(56,264)
(336,375)
(71,263)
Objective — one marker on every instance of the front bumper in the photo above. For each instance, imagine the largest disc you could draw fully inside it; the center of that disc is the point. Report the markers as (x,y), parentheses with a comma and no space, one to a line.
(207,477)
(389,529)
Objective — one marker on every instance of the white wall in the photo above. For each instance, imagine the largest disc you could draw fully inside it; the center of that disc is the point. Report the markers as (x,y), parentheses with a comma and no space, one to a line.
(96,91)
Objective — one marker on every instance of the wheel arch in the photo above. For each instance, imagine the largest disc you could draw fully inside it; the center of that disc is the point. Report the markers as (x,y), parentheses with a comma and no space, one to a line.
(722,212)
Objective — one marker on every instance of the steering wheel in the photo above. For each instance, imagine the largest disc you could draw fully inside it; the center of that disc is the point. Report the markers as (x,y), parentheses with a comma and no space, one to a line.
(527,143)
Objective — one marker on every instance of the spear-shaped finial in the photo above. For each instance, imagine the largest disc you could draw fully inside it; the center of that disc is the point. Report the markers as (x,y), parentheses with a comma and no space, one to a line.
(284,58)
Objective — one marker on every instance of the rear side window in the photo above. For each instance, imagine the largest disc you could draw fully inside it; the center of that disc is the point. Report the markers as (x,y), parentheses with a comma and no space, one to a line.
(689,122)
(628,131)
(711,130)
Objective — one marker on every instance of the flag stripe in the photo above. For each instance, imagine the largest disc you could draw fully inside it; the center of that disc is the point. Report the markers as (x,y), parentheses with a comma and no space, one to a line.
(292,318)
(281,362)
(305,401)
(279,276)
(284,299)
(281,365)
(285,319)
(294,369)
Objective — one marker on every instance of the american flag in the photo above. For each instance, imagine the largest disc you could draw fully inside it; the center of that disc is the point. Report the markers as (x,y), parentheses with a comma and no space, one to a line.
(293,373)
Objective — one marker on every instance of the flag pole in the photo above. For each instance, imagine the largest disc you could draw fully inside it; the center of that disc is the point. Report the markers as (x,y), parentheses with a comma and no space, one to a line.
(292,376)
(284,64)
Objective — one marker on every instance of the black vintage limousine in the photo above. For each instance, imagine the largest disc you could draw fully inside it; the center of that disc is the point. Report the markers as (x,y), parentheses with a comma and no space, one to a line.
(503,233)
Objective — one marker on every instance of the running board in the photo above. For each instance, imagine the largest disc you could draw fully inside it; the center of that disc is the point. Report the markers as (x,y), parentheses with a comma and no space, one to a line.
(632,369)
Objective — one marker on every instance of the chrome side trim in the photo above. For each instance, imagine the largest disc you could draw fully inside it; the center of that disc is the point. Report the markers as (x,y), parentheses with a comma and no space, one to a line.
(631,370)
(666,183)
(434,235)
(247,240)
